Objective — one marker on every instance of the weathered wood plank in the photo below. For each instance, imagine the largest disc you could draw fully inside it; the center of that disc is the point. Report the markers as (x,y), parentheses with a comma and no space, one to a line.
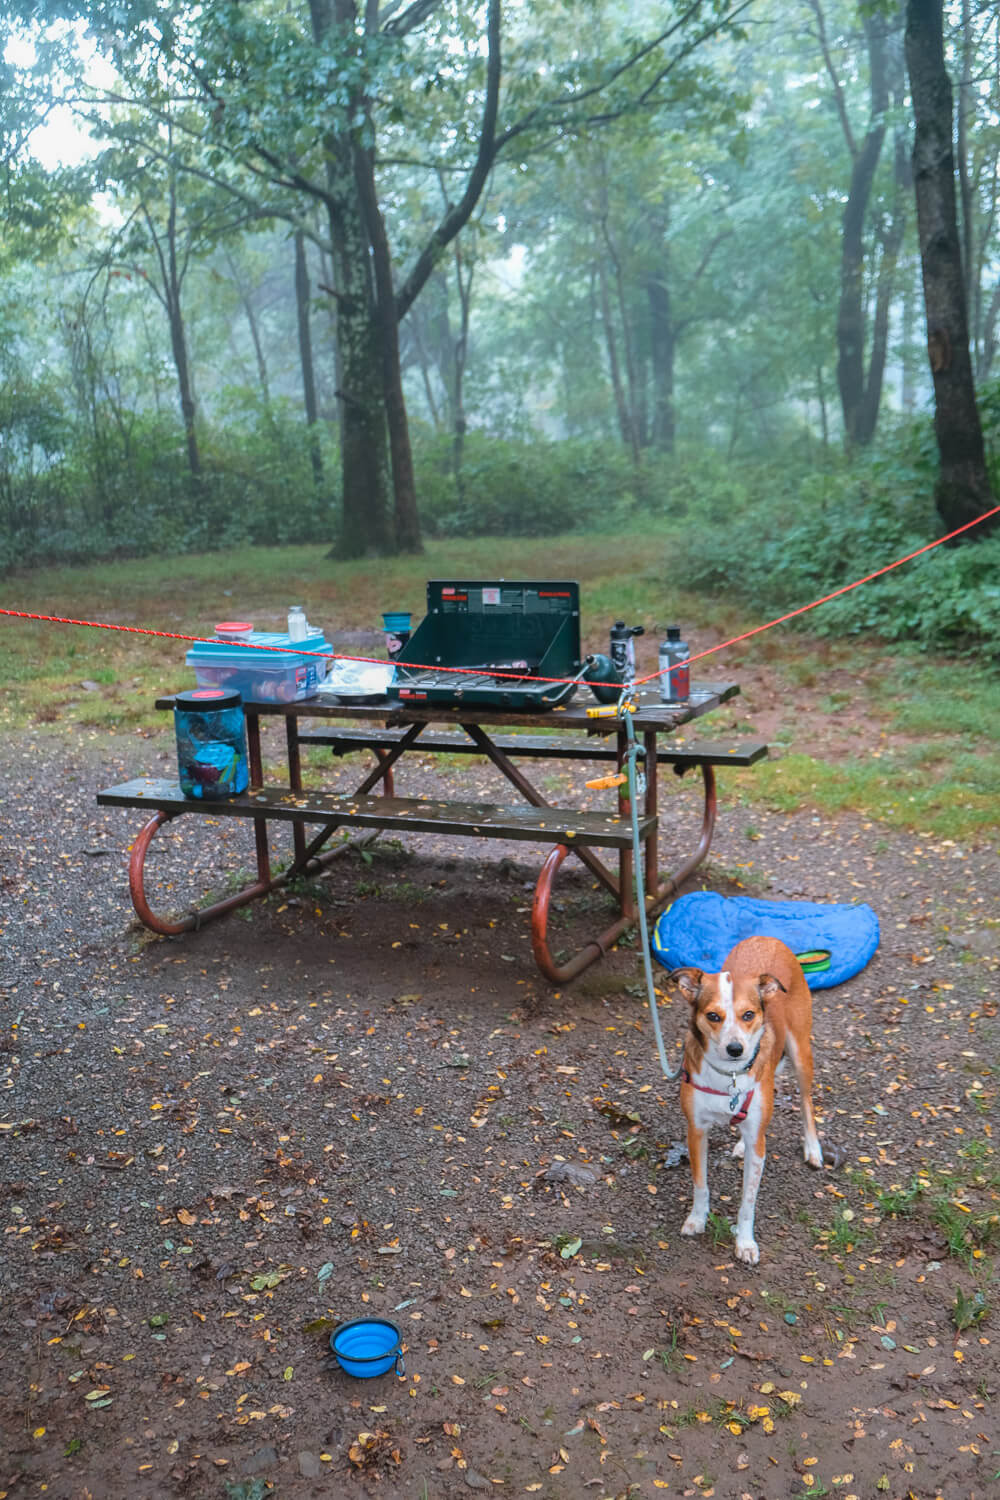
(538,747)
(547,825)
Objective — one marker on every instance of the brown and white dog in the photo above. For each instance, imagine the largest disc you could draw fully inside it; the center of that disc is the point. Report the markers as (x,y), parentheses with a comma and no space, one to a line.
(743,1022)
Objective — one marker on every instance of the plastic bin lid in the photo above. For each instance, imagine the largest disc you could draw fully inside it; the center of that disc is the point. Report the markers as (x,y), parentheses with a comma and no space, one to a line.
(208,700)
(233,629)
(262,650)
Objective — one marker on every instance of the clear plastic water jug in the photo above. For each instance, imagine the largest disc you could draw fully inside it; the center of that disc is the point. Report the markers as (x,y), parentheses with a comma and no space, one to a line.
(211,744)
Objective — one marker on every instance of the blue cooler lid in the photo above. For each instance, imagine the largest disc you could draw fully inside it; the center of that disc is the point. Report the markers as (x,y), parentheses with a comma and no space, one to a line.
(284,654)
(209,700)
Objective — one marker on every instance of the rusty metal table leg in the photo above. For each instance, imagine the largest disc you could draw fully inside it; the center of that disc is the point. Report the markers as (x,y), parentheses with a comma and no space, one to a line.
(656,895)
(194,919)
(687,867)
(590,953)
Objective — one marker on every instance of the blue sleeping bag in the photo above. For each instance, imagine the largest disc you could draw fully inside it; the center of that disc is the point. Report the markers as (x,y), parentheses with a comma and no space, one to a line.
(698,930)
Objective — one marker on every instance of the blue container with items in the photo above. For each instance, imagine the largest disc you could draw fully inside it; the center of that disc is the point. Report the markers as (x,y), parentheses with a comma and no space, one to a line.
(283,674)
(211,743)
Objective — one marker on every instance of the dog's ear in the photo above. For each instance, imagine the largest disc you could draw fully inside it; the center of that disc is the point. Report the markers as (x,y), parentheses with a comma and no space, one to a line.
(768,987)
(688,981)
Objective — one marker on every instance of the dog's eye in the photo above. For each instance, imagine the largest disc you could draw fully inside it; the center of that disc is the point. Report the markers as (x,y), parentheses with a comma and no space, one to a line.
(713,1016)
(748,1015)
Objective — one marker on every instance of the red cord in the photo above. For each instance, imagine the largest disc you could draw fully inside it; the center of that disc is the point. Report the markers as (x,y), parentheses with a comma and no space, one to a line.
(171,635)
(846,589)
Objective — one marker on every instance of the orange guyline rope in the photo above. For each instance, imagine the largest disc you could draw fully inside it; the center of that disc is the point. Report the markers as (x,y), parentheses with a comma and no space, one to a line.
(170,635)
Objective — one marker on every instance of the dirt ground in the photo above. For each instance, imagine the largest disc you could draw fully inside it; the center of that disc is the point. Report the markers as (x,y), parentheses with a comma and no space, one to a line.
(359,1098)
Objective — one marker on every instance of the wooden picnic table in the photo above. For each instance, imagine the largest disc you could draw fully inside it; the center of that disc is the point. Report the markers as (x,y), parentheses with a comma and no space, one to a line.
(391,731)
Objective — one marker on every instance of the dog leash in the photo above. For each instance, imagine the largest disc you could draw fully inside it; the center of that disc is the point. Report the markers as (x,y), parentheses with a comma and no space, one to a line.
(625,711)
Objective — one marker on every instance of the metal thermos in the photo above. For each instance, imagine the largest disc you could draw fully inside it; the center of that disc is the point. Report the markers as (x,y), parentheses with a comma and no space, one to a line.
(675,676)
(623,649)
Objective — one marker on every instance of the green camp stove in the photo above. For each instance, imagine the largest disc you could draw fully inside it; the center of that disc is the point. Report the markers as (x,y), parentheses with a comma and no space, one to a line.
(505,637)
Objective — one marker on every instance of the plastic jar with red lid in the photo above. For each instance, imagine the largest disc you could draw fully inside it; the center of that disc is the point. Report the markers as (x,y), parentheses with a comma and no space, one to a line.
(211,743)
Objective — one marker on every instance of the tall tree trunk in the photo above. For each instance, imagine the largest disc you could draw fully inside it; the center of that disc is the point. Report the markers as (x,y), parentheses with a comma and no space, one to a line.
(246,302)
(364,459)
(891,238)
(463,280)
(628,403)
(621,403)
(821,398)
(963,489)
(172,277)
(907,384)
(850,310)
(331,409)
(366,526)
(663,344)
(306,356)
(407,523)
(966,108)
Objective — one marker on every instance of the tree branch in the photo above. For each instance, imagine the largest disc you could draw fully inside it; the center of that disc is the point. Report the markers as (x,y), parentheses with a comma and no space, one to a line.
(838,92)
(408,20)
(457,216)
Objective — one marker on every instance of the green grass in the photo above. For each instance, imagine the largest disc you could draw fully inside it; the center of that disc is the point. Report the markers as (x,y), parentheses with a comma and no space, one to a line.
(962,1203)
(968,1309)
(720,1229)
(940,781)
(948,793)
(43,665)
(960,697)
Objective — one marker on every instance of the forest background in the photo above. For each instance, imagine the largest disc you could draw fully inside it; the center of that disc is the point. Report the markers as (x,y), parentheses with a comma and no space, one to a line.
(361,277)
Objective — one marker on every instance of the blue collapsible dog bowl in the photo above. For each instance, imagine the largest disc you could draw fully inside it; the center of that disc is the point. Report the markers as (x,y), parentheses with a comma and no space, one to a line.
(368,1346)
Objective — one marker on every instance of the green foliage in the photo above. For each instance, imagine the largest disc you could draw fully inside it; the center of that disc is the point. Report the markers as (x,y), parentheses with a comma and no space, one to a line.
(526,489)
(805,535)
(136,496)
(968,1309)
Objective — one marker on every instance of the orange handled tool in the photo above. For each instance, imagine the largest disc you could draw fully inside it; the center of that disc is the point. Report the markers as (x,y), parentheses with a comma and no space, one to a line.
(602,783)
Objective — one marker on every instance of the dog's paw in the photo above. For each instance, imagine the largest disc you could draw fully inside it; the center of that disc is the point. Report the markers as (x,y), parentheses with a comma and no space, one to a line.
(747,1251)
(694,1224)
(813,1152)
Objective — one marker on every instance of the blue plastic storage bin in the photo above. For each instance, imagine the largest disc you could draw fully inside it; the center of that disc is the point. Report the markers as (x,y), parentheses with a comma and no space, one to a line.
(276,676)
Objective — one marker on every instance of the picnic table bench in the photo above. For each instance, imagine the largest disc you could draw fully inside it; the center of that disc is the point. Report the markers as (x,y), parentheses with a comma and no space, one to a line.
(392,731)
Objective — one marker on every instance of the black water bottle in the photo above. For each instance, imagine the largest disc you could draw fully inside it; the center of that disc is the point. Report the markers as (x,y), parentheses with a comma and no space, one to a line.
(623,649)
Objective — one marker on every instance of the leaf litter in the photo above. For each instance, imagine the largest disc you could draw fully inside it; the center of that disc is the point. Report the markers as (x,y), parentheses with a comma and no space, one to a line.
(291,1098)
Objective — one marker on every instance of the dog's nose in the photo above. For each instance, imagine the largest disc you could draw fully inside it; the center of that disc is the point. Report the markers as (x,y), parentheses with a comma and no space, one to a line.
(735,1049)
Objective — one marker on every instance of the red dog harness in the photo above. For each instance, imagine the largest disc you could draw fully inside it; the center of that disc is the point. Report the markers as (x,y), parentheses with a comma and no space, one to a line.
(737,1107)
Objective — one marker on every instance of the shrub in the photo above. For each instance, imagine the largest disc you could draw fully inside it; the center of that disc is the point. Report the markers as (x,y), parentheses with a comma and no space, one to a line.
(132,494)
(538,488)
(794,543)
